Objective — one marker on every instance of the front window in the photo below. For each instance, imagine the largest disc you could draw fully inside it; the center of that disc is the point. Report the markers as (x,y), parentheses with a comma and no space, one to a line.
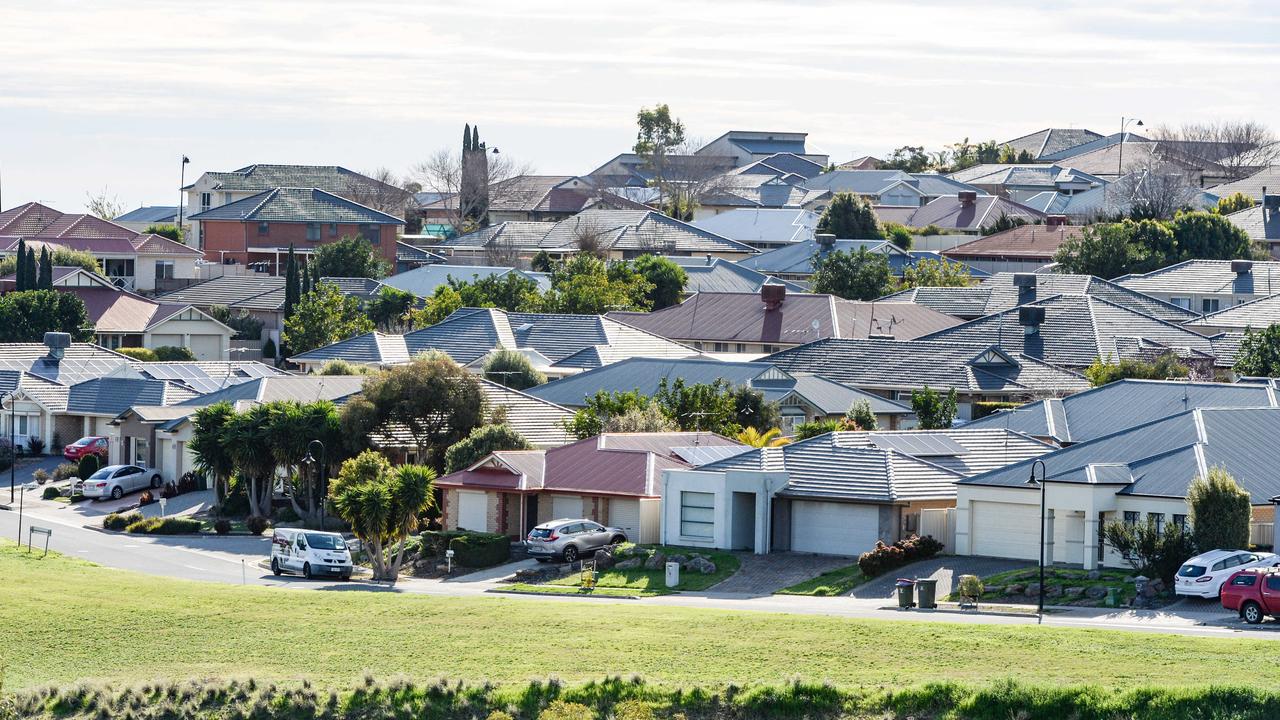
(164,269)
(697,514)
(313,232)
(1209,305)
(1130,517)
(1158,520)
(372,233)
(326,542)
(1182,302)
(206,201)
(263,228)
(1180,521)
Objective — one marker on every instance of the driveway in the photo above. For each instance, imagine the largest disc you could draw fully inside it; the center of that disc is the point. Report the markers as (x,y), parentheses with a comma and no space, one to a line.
(944,569)
(766,574)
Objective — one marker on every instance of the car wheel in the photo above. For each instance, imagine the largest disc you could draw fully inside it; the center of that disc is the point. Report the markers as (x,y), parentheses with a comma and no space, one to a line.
(275,566)
(617,540)
(156,481)
(1252,613)
(306,570)
(570,554)
(117,492)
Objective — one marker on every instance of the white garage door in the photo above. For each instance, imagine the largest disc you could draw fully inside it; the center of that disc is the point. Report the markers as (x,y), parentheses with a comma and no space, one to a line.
(207,347)
(1005,530)
(833,528)
(473,510)
(625,515)
(166,341)
(566,507)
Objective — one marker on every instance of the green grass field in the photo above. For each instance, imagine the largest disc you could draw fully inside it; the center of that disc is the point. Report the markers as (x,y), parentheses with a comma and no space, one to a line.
(64,620)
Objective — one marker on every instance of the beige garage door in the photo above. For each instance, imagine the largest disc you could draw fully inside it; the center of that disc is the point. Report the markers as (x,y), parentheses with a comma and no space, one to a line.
(566,507)
(1005,530)
(625,515)
(830,528)
(473,511)
(207,347)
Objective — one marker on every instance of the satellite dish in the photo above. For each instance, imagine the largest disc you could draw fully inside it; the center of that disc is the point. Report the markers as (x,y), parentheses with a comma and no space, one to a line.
(814,325)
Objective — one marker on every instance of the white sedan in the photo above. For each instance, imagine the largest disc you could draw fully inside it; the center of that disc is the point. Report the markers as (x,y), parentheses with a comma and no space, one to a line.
(113,481)
(1204,574)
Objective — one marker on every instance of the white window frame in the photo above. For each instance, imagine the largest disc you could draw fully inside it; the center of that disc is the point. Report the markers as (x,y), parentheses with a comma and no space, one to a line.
(697,519)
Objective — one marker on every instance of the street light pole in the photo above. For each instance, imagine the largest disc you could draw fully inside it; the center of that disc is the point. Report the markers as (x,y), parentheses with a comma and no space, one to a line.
(181,184)
(13,450)
(1124,123)
(1043,483)
(318,457)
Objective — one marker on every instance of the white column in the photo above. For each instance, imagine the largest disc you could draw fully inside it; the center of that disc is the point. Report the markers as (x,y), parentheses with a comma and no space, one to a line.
(1090,540)
(1048,536)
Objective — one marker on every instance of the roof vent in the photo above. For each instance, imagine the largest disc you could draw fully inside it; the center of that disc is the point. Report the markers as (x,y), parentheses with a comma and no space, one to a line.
(1055,220)
(968,197)
(880,336)
(826,241)
(1241,267)
(57,342)
(710,260)
(773,296)
(1030,318)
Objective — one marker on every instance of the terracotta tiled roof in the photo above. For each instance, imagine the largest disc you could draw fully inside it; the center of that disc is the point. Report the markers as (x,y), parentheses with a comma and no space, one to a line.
(1029,241)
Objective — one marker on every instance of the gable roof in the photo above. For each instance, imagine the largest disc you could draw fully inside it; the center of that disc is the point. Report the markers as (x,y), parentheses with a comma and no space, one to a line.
(719,275)
(1257,314)
(1260,224)
(39,225)
(1035,175)
(266,176)
(1121,405)
(1051,141)
(1161,458)
(113,395)
(423,281)
(1032,242)
(149,214)
(1207,277)
(744,317)
(616,230)
(879,182)
(1078,329)
(297,204)
(255,291)
(950,213)
(913,364)
(762,225)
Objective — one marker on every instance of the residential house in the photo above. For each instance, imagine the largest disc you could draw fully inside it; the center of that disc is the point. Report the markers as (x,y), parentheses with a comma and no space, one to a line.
(132,260)
(1207,286)
(866,162)
(1121,405)
(888,188)
(1018,182)
(533,198)
(1025,248)
(797,261)
(713,274)
(215,189)
(762,228)
(1256,314)
(801,397)
(621,234)
(142,218)
(770,320)
(631,171)
(1114,199)
(1004,291)
(557,344)
(895,368)
(1042,144)
(1262,223)
(410,257)
(966,213)
(1072,331)
(611,479)
(1115,156)
(424,281)
(835,494)
(1133,475)
(748,146)
(259,229)
(1255,186)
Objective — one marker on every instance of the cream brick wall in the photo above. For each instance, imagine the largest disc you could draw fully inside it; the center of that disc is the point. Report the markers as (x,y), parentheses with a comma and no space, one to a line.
(449,514)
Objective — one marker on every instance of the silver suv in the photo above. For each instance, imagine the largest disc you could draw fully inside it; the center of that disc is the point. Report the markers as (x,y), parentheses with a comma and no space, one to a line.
(570,539)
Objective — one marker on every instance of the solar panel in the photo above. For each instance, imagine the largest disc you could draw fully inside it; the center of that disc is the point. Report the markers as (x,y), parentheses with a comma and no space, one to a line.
(919,444)
(704,454)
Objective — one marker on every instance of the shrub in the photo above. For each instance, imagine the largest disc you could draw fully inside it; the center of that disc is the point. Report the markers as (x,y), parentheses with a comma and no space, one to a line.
(887,557)
(269,349)
(65,471)
(51,493)
(6,455)
(88,465)
(222,526)
(478,550)
(971,586)
(1151,551)
(1220,511)
(173,353)
(187,483)
(137,353)
(164,526)
(256,524)
(285,514)
(146,498)
(984,408)
(41,476)
(120,521)
(169,490)
(563,710)
(433,543)
(807,430)
(235,504)
(35,445)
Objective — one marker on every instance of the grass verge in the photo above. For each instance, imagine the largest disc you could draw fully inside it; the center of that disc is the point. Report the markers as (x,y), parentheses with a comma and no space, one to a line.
(67,620)
(832,582)
(575,591)
(653,582)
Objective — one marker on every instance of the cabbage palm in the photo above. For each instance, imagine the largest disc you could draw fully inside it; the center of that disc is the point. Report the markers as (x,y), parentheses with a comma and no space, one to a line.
(382,505)
(769,438)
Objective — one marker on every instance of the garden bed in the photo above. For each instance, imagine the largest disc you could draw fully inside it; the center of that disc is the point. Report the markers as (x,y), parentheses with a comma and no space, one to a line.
(833,582)
(641,572)
(1063,586)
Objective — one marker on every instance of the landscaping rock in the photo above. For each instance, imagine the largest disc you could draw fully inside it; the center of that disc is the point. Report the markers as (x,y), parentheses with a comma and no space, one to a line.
(1053,591)
(700,564)
(629,564)
(1015,589)
(604,559)
(1149,591)
(1157,585)
(681,559)
(1073,592)
(1033,590)
(994,590)
(1093,575)
(1095,592)
(655,561)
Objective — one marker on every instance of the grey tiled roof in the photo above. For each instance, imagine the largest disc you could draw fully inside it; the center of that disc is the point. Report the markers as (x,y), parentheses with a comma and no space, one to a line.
(330,178)
(1260,224)
(112,396)
(798,258)
(52,395)
(1162,457)
(256,291)
(299,388)
(949,213)
(1121,405)
(357,287)
(617,230)
(913,364)
(297,204)
(1207,277)
(423,281)
(412,253)
(1077,329)
(1268,177)
(1051,140)
(719,275)
(1257,314)
(876,182)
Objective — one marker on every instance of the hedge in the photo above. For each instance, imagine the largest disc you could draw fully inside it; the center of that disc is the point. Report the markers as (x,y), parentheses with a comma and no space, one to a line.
(120,521)
(477,550)
(165,526)
(887,557)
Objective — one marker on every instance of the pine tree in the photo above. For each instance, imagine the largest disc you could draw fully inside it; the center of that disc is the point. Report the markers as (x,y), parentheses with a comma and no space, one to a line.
(20,269)
(46,270)
(291,286)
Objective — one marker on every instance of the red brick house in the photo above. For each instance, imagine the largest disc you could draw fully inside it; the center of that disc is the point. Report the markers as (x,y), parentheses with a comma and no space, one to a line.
(260,228)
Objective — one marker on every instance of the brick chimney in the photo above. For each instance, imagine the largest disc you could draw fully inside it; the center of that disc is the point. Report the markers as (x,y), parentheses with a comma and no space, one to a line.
(773,296)
(968,197)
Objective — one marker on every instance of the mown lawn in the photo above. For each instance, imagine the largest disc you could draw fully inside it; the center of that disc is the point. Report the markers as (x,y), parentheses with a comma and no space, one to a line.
(63,619)
(830,583)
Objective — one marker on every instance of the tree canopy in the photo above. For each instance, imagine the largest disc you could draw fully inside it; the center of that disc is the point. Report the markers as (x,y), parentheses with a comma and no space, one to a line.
(323,317)
(482,441)
(512,369)
(667,278)
(1259,353)
(382,504)
(348,257)
(1220,511)
(657,132)
(1101,372)
(850,216)
(389,309)
(856,275)
(27,315)
(713,407)
(1109,250)
(934,410)
(935,273)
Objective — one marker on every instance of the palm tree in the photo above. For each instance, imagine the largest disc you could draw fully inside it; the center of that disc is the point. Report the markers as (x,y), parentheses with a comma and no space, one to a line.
(212,458)
(382,504)
(768,438)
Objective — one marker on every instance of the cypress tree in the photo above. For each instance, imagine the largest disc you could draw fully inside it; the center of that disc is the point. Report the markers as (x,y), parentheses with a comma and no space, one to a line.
(466,137)
(46,270)
(32,278)
(291,286)
(20,269)
(306,280)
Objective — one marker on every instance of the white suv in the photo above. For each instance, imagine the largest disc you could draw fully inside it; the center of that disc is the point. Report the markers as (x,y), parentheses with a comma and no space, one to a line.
(1204,574)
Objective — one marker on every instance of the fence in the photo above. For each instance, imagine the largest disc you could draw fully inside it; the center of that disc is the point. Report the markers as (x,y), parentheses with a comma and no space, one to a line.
(941,524)
(1262,533)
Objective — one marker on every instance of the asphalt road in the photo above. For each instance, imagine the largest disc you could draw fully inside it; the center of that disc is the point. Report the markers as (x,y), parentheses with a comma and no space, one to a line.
(235,560)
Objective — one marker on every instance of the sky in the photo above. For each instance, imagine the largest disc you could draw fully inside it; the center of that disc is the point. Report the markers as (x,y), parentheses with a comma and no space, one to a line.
(106,97)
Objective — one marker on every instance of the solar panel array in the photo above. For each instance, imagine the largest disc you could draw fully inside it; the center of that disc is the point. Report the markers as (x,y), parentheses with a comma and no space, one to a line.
(919,444)
(205,378)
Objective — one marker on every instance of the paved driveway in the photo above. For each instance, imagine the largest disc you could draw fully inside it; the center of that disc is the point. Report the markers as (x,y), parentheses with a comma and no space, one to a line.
(766,574)
(944,569)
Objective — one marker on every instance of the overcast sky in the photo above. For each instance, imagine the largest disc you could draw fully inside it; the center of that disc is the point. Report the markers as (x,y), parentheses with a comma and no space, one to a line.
(110,95)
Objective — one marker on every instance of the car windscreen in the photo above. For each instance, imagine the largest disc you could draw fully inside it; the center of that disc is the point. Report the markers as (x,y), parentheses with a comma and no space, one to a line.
(326,542)
(540,532)
(1189,570)
(103,474)
(84,441)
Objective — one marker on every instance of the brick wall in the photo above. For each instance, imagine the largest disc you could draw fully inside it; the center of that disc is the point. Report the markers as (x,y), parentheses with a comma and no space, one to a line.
(493,511)
(229,239)
(449,514)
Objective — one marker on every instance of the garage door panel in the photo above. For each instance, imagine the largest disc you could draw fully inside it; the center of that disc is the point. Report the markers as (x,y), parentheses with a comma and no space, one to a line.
(207,347)
(1005,530)
(566,507)
(833,528)
(625,515)
(473,511)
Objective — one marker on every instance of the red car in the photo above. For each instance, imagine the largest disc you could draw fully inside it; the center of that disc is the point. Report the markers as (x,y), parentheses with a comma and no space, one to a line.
(92,445)
(1254,593)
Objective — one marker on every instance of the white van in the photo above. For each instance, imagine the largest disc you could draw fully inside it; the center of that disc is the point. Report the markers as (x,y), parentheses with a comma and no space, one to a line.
(310,552)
